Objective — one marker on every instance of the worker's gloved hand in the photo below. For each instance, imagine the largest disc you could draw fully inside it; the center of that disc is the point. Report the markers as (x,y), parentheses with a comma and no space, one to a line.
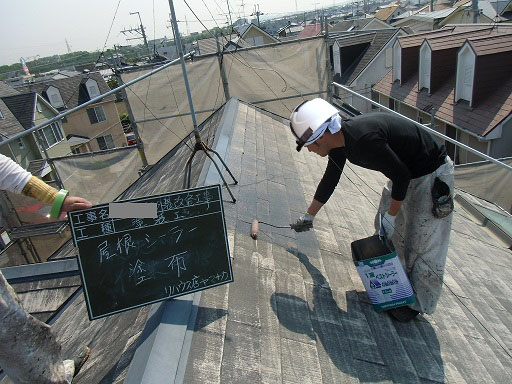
(387,225)
(303,223)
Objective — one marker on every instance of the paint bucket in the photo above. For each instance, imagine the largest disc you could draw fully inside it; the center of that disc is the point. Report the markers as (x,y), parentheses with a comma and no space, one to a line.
(382,273)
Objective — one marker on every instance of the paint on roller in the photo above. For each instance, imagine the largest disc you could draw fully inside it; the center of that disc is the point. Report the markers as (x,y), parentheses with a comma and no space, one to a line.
(254,229)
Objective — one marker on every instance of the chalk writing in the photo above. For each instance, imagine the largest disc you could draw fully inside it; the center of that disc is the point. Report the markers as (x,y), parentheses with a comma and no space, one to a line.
(177,261)
(129,262)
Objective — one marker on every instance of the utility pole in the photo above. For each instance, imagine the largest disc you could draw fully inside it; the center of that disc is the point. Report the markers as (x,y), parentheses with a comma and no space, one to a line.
(257,13)
(475,11)
(140,30)
(133,124)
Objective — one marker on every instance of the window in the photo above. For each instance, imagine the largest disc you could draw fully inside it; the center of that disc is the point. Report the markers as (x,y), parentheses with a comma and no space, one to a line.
(51,135)
(375,97)
(38,107)
(21,144)
(92,88)
(391,104)
(96,115)
(105,142)
(1,115)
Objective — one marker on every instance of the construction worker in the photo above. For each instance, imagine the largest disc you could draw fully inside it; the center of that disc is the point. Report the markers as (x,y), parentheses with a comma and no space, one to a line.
(29,351)
(417,167)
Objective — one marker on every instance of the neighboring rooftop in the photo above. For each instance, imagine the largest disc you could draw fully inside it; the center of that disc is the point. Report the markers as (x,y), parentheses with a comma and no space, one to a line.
(297,311)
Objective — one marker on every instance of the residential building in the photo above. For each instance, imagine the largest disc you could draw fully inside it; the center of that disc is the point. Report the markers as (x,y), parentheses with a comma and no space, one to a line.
(458,79)
(254,35)
(359,24)
(360,59)
(389,13)
(98,124)
(488,12)
(424,21)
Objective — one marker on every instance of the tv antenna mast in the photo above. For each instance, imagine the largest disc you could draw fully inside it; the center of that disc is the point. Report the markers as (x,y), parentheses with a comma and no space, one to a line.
(200,145)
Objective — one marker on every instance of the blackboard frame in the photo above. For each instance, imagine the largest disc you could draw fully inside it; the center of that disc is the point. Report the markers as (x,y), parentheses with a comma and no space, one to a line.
(81,242)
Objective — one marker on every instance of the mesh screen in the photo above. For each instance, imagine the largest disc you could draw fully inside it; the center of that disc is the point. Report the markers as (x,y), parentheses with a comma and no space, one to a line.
(100,176)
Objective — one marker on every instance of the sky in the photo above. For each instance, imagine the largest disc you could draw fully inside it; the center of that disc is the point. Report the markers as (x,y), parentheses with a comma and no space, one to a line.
(41,27)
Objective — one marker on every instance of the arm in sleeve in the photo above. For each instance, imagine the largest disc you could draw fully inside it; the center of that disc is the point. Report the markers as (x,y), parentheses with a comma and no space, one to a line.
(331,176)
(394,168)
(13,178)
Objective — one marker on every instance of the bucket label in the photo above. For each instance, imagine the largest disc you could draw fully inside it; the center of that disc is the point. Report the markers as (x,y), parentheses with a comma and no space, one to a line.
(385,281)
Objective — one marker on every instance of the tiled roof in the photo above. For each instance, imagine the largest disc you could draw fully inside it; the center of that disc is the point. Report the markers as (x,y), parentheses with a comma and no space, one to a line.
(417,39)
(297,311)
(9,125)
(380,39)
(7,90)
(479,120)
(310,31)
(385,13)
(457,39)
(345,25)
(489,45)
(72,90)
(22,107)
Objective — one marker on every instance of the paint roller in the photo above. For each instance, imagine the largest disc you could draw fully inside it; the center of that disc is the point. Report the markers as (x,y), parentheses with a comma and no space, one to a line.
(255,227)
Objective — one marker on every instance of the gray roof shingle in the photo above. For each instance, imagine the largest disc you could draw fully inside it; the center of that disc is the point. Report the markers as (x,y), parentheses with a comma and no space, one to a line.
(297,311)
(22,107)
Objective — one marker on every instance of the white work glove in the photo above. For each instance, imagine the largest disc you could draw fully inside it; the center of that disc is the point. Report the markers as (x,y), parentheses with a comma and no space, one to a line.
(303,223)
(387,225)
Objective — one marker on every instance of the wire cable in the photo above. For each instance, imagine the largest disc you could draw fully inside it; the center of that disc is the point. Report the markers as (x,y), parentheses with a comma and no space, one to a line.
(109,30)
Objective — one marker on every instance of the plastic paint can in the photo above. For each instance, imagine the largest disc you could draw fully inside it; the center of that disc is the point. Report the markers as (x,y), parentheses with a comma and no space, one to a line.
(382,273)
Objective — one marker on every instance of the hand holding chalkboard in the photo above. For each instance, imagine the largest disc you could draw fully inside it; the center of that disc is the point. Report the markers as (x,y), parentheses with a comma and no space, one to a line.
(129,262)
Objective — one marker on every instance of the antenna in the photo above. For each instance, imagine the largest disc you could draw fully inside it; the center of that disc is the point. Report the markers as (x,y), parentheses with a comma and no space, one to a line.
(199,145)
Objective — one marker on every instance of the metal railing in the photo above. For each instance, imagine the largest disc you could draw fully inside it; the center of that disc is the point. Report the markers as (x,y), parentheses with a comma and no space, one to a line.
(426,128)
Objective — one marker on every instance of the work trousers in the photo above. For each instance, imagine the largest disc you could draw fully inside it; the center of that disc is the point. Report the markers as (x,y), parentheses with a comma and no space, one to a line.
(420,239)
(29,351)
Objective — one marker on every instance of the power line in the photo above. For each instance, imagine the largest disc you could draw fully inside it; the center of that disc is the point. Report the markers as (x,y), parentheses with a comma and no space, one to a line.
(109,30)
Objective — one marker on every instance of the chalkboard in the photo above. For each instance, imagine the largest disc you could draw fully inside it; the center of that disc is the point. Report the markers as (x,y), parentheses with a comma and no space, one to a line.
(130,262)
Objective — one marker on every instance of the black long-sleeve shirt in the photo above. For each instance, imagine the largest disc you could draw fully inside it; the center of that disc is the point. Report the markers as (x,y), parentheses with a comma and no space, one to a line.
(383,142)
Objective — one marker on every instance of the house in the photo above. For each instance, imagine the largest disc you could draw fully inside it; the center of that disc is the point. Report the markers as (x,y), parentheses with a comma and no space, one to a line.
(461,79)
(360,59)
(389,13)
(254,35)
(99,123)
(311,30)
(22,111)
(422,22)
(489,12)
(359,24)
(292,29)
(208,46)
(297,311)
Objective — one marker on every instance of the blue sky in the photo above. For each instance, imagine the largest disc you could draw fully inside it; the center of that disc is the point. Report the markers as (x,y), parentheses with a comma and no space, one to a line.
(40,27)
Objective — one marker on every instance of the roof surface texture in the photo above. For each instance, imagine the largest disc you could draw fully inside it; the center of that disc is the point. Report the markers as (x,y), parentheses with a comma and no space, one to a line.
(297,311)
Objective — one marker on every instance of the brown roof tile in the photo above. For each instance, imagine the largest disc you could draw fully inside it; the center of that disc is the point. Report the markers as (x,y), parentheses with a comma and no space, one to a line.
(480,120)
(489,45)
(384,13)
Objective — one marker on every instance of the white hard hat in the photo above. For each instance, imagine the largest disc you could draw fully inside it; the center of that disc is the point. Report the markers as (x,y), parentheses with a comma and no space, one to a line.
(307,117)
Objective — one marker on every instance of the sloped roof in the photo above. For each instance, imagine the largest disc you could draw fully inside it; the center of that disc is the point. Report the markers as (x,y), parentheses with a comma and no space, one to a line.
(72,90)
(297,311)
(310,30)
(352,24)
(6,89)
(457,39)
(385,13)
(22,107)
(379,39)
(480,120)
(489,45)
(9,125)
(209,45)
